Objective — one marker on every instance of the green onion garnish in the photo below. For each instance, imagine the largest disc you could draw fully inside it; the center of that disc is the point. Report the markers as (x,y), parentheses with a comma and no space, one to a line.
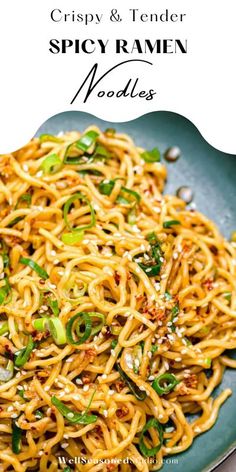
(154,348)
(170,223)
(49,137)
(22,356)
(152,423)
(169,381)
(4,328)
(25,197)
(174,313)
(67,206)
(4,292)
(16,437)
(38,414)
(54,325)
(207,362)
(114,343)
(167,296)
(72,238)
(15,221)
(40,324)
(6,374)
(89,330)
(54,306)
(228,296)
(126,195)
(86,141)
(151,156)
(57,330)
(150,261)
(73,416)
(51,164)
(83,144)
(139,394)
(34,266)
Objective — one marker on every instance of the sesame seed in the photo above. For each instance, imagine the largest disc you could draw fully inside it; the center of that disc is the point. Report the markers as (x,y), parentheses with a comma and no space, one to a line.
(14,415)
(105,413)
(46,388)
(111,392)
(64,445)
(85,388)
(77,397)
(178,359)
(25,167)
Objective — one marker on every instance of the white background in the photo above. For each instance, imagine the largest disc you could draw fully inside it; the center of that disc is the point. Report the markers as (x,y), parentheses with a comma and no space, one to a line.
(35,84)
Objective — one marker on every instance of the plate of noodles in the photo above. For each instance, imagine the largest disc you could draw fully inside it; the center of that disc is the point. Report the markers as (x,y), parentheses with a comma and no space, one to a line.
(117,298)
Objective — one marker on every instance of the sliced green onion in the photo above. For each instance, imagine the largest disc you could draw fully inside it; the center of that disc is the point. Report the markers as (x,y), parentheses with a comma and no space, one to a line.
(67,206)
(40,324)
(169,379)
(152,423)
(54,306)
(67,469)
(4,292)
(151,156)
(137,355)
(167,296)
(73,290)
(85,318)
(4,328)
(90,330)
(21,393)
(106,186)
(72,238)
(151,261)
(86,141)
(207,362)
(38,414)
(7,373)
(139,394)
(83,144)
(114,343)
(16,437)
(228,296)
(101,152)
(73,416)
(152,238)
(115,330)
(51,164)
(132,216)
(57,330)
(123,198)
(25,197)
(22,356)
(15,221)
(170,223)
(174,313)
(154,348)
(34,266)
(49,137)
(6,260)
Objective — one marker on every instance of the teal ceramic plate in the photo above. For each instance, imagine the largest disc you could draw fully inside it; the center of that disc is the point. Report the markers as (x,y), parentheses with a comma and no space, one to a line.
(211,174)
